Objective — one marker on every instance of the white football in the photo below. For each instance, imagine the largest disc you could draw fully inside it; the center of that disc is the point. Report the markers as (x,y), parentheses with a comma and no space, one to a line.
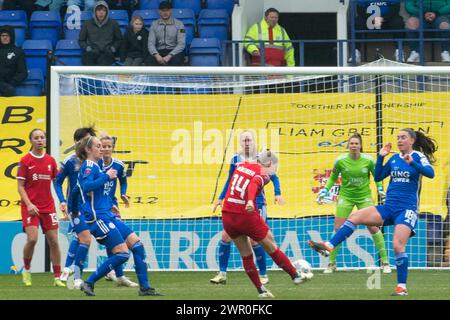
(304,267)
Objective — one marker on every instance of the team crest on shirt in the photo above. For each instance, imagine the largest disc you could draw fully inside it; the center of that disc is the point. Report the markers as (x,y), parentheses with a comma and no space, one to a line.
(35,177)
(111,225)
(364,170)
(76,221)
(49,167)
(87,171)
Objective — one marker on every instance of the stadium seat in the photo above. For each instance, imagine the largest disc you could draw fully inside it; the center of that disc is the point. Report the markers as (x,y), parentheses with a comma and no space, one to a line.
(221,4)
(68,53)
(33,85)
(194,5)
(213,24)
(149,4)
(205,52)
(71,28)
(187,16)
(45,25)
(121,16)
(36,54)
(148,15)
(18,20)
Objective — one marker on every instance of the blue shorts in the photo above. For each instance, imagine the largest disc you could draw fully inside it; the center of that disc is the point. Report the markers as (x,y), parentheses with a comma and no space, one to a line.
(124,230)
(394,216)
(77,224)
(263,212)
(106,232)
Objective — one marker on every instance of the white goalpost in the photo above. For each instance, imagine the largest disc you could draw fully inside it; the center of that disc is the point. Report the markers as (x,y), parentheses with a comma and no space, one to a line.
(177,128)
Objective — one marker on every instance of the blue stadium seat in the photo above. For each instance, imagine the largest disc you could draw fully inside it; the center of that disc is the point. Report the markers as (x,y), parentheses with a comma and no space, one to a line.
(221,4)
(121,16)
(194,5)
(71,28)
(213,24)
(205,52)
(18,20)
(148,15)
(149,4)
(33,85)
(36,54)
(45,25)
(187,16)
(68,53)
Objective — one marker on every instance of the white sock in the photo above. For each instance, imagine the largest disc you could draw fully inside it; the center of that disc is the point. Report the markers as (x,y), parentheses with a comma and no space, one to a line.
(402,285)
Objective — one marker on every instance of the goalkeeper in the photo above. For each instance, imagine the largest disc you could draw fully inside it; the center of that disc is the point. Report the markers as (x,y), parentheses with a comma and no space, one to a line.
(355,168)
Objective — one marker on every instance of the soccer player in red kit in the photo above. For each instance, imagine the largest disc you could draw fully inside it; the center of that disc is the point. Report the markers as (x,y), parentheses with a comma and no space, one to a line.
(35,174)
(241,219)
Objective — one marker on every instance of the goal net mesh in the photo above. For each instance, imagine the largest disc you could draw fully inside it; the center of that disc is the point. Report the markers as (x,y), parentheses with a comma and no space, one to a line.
(177,135)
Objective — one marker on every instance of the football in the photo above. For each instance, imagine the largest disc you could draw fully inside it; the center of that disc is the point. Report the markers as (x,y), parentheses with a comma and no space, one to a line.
(304,267)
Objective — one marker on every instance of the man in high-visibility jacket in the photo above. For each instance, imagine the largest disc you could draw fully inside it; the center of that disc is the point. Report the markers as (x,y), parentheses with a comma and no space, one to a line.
(276,53)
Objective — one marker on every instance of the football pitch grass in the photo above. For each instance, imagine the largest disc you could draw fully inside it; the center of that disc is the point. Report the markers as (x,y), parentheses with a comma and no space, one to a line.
(342,285)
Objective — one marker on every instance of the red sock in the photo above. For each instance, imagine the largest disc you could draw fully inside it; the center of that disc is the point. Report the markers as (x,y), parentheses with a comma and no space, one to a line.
(27,263)
(283,262)
(57,271)
(250,269)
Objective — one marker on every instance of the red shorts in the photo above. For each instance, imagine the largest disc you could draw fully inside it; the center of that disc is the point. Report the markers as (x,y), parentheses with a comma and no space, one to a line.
(251,225)
(48,221)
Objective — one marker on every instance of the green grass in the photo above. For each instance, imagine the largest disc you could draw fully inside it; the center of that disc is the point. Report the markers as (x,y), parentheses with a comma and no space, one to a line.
(430,284)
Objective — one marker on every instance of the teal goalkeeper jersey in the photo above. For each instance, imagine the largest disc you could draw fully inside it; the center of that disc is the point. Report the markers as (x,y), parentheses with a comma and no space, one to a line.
(355,175)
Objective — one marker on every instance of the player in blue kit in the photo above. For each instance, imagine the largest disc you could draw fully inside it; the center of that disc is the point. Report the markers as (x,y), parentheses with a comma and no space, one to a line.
(82,237)
(400,209)
(103,224)
(107,162)
(248,153)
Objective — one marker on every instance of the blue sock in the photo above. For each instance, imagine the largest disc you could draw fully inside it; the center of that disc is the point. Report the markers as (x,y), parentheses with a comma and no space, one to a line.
(343,233)
(260,255)
(224,255)
(112,262)
(119,269)
(401,260)
(140,265)
(80,258)
(72,252)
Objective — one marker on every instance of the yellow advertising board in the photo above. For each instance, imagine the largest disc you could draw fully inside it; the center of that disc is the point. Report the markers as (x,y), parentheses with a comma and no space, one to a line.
(19,115)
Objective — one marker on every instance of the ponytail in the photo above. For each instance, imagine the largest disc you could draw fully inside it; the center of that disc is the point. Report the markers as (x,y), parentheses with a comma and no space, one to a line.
(426,145)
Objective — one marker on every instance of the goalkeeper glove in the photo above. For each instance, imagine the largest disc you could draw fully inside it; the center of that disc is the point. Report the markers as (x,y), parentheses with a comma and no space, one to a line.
(322,194)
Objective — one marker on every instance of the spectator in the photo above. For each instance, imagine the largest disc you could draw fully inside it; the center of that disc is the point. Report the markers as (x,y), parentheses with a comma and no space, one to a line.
(129,5)
(26,5)
(85,5)
(435,16)
(275,53)
(134,44)
(167,39)
(382,15)
(100,37)
(13,69)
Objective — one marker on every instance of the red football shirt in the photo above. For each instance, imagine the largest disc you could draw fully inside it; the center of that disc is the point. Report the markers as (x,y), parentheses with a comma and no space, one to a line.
(246,183)
(38,173)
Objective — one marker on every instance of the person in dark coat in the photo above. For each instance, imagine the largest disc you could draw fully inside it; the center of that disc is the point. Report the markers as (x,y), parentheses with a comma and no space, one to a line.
(134,44)
(13,69)
(100,37)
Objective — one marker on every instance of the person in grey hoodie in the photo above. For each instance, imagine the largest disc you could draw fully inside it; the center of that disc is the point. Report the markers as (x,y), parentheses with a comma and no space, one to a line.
(100,37)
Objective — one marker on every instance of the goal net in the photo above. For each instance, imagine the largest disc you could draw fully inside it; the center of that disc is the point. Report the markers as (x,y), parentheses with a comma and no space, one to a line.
(176,130)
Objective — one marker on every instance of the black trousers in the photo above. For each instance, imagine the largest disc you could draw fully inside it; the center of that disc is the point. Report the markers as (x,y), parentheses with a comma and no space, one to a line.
(6,90)
(95,58)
